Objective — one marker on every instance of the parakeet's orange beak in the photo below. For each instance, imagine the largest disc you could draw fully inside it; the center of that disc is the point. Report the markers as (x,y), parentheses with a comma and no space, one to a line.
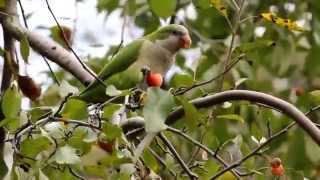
(185,41)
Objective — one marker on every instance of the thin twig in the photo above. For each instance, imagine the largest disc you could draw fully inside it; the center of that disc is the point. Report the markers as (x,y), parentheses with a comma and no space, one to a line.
(238,163)
(63,102)
(205,148)
(161,161)
(122,32)
(233,36)
(173,17)
(248,18)
(75,174)
(71,49)
(177,156)
(183,90)
(255,151)
(55,78)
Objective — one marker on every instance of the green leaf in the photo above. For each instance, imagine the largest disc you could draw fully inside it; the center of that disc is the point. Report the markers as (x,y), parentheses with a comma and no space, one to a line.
(312,150)
(158,105)
(13,174)
(11,124)
(1,50)
(107,5)
(77,141)
(111,131)
(11,102)
(205,64)
(163,8)
(75,109)
(98,171)
(3,168)
(218,4)
(114,160)
(66,155)
(252,46)
(63,173)
(235,117)
(109,110)
(181,80)
(5,121)
(150,161)
(312,64)
(147,21)
(211,168)
(2,4)
(203,4)
(132,7)
(32,147)
(239,82)
(65,88)
(315,96)
(37,112)
(192,114)
(296,155)
(24,48)
(112,91)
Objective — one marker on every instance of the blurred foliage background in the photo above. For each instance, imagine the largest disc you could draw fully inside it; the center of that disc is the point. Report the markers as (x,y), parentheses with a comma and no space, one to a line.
(277,60)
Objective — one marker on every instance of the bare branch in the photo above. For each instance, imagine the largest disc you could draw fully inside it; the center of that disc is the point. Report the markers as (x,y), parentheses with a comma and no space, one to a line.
(48,48)
(183,90)
(205,148)
(71,49)
(55,78)
(162,162)
(252,96)
(254,152)
(177,156)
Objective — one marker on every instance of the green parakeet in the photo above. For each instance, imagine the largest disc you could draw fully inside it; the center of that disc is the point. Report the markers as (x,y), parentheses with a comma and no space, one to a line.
(155,51)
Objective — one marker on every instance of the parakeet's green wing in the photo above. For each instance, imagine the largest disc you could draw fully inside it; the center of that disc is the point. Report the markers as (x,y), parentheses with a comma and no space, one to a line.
(123,59)
(120,62)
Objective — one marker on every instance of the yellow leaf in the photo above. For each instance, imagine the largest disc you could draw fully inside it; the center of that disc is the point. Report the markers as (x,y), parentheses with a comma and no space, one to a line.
(287,23)
(219,6)
(227,176)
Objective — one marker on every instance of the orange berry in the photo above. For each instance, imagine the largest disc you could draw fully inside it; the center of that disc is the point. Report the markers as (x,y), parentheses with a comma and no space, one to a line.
(277,171)
(276,167)
(154,79)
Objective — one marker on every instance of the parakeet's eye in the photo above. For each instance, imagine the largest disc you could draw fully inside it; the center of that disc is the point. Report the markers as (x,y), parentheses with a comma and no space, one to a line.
(175,32)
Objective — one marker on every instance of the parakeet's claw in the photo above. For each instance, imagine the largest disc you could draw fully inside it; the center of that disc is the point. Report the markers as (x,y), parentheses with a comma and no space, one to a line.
(145,70)
(136,99)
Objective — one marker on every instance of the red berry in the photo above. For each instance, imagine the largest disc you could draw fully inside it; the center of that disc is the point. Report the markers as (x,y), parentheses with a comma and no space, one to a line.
(276,167)
(107,146)
(277,171)
(29,88)
(299,91)
(154,79)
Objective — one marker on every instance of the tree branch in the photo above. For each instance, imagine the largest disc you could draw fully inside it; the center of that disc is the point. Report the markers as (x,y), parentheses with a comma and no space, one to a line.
(205,148)
(48,48)
(252,96)
(177,156)
(9,57)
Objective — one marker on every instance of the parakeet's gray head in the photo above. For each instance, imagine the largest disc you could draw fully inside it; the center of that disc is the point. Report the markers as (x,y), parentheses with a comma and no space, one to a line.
(172,37)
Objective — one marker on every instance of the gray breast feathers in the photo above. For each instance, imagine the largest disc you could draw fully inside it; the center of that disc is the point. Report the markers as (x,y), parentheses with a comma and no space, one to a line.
(155,57)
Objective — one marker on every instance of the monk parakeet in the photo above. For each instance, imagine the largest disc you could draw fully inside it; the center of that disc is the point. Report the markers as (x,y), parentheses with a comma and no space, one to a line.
(155,51)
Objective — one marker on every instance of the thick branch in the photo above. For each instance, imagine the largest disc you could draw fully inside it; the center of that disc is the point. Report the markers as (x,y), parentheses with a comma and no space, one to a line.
(50,49)
(257,97)
(253,96)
